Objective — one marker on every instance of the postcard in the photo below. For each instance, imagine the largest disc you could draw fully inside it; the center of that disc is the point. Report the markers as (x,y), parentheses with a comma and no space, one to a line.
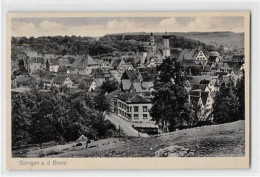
(128,90)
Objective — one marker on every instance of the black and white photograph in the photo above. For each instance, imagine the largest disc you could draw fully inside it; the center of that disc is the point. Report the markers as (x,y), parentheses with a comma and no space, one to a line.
(166,86)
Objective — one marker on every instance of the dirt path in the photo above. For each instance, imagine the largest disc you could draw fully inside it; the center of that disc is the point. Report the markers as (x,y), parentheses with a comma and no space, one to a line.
(124,125)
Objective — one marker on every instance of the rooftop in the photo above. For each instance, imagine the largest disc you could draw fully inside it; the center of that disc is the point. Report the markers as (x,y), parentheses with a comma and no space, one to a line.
(84,61)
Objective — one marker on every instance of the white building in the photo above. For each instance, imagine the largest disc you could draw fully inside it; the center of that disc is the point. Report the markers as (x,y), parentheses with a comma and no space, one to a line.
(134,108)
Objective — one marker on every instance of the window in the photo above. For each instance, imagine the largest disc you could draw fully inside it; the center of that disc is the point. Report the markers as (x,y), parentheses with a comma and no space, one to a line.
(136,116)
(135,108)
(144,108)
(145,116)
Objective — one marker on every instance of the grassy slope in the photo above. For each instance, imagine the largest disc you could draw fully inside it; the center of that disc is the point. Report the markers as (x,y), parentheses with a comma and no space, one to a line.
(218,140)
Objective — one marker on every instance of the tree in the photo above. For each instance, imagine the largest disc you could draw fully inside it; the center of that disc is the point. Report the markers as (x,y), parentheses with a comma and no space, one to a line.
(100,102)
(240,94)
(109,86)
(170,102)
(20,123)
(221,49)
(225,107)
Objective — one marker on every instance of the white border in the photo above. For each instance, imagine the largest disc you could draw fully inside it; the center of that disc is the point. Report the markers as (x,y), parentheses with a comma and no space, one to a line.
(144,5)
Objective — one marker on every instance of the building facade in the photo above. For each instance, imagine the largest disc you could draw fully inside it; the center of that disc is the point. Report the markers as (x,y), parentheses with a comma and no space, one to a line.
(133,107)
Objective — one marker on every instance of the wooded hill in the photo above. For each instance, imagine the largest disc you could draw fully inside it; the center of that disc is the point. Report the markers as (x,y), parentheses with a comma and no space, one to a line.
(76,45)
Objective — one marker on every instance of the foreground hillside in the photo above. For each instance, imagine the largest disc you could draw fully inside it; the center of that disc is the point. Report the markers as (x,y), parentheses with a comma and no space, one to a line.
(217,140)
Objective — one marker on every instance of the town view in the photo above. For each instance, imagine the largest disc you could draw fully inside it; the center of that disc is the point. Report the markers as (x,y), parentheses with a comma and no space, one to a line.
(128,94)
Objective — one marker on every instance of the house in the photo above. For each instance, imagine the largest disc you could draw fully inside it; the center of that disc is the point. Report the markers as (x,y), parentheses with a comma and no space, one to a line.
(137,87)
(47,80)
(200,87)
(126,85)
(124,67)
(238,58)
(24,81)
(83,65)
(134,107)
(96,83)
(223,67)
(64,62)
(203,101)
(209,84)
(52,65)
(147,86)
(115,75)
(102,73)
(195,80)
(131,75)
(197,56)
(115,64)
(62,80)
(214,58)
(15,92)
(36,64)
(112,98)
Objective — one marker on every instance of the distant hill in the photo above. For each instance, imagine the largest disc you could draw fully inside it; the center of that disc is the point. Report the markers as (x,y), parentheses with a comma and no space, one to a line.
(236,40)
(226,38)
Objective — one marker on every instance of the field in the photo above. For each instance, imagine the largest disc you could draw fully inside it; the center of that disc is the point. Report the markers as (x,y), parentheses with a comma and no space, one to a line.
(208,141)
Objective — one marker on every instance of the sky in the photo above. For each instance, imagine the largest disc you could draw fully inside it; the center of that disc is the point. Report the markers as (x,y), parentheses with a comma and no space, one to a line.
(99,26)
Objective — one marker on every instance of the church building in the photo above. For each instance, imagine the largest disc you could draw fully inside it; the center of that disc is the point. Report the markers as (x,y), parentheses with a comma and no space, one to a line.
(152,55)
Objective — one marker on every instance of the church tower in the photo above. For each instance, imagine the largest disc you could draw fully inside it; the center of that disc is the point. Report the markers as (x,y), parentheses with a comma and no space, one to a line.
(143,56)
(152,46)
(166,45)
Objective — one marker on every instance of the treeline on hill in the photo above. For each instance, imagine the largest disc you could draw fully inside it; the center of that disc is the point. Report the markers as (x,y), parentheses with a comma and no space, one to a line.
(76,45)
(171,107)
(62,116)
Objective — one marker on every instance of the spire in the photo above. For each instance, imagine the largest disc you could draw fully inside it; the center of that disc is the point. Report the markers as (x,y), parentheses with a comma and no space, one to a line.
(165,35)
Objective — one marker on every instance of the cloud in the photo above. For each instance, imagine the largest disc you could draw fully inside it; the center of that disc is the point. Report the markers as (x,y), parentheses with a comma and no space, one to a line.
(203,24)
(27,29)
(50,26)
(115,26)
(53,27)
